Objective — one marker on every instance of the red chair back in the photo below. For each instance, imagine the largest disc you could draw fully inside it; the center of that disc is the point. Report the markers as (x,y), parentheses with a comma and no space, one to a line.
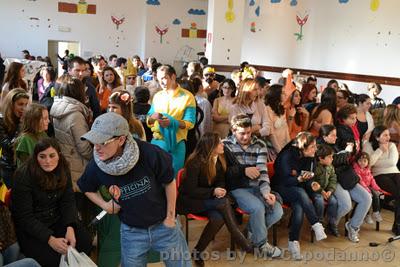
(271,171)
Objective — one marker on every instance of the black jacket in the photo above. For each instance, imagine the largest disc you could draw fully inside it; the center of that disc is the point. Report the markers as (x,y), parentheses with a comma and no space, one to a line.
(36,211)
(7,141)
(194,188)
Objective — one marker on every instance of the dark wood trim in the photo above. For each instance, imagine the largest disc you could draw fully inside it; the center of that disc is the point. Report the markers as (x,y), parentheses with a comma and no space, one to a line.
(321,74)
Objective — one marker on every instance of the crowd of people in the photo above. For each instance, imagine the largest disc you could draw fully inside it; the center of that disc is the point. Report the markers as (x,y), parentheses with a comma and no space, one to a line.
(113,134)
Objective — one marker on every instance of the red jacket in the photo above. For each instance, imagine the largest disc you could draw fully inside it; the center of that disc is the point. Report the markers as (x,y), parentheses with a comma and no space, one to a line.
(366,179)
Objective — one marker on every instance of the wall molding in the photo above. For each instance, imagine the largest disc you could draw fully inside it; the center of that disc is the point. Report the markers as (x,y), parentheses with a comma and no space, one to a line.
(321,74)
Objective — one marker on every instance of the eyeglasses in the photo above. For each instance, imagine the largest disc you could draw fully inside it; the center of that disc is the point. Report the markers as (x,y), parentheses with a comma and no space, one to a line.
(209,74)
(109,141)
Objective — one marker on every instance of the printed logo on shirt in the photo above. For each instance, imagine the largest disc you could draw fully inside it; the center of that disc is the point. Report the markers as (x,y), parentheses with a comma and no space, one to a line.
(136,188)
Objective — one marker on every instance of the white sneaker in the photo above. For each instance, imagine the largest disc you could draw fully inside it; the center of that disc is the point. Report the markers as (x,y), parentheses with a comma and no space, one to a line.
(368,219)
(294,250)
(352,233)
(318,231)
(270,251)
(377,216)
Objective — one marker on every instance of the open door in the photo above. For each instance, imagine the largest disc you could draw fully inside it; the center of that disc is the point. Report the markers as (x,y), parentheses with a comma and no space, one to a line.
(56,47)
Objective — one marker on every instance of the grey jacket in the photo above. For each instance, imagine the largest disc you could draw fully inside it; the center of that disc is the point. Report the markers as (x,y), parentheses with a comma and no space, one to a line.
(70,122)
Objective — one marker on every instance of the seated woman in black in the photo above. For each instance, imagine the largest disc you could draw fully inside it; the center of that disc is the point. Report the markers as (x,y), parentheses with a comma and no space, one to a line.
(294,167)
(43,207)
(203,191)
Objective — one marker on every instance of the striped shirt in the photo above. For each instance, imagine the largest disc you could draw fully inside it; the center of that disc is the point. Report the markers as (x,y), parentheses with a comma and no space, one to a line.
(254,155)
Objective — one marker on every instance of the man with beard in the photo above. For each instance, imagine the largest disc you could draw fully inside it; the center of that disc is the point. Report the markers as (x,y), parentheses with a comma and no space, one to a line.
(210,85)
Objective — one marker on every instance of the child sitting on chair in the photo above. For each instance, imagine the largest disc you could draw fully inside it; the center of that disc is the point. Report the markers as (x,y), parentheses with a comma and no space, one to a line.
(361,167)
(323,186)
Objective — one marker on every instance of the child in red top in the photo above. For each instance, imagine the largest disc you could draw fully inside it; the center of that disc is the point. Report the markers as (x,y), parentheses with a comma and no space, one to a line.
(361,167)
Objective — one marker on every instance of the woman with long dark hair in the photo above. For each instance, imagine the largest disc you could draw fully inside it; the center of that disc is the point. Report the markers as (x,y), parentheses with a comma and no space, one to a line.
(14,79)
(222,106)
(203,191)
(12,110)
(325,112)
(276,117)
(383,159)
(43,206)
(109,81)
(365,122)
(296,115)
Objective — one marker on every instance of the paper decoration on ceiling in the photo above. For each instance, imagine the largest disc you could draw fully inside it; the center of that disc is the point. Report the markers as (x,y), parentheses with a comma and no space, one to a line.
(257,11)
(176,22)
(252,2)
(161,32)
(117,21)
(293,3)
(230,15)
(374,5)
(199,12)
(193,32)
(253,27)
(343,1)
(82,7)
(153,2)
(275,1)
(301,22)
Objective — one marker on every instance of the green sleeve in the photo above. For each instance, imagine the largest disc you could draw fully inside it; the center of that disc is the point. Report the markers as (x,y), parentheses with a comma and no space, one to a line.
(332,179)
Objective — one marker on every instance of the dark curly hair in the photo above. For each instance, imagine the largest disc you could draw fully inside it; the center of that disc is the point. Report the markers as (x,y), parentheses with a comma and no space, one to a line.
(273,99)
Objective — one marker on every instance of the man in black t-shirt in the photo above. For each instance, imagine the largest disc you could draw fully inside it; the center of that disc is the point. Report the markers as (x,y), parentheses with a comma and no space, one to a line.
(139,177)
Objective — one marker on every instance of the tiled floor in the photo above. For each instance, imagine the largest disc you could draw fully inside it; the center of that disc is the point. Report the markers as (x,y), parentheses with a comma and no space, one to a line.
(330,252)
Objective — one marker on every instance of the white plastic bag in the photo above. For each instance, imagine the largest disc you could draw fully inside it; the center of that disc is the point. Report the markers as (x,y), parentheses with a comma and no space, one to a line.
(76,259)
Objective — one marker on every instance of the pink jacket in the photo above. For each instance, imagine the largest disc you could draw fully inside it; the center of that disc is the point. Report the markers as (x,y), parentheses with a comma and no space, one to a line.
(366,179)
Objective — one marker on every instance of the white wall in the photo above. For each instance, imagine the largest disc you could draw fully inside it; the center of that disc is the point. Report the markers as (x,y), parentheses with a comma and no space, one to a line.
(173,46)
(337,37)
(97,34)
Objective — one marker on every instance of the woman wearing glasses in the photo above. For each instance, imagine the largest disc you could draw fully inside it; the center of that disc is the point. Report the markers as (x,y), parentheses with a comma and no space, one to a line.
(222,107)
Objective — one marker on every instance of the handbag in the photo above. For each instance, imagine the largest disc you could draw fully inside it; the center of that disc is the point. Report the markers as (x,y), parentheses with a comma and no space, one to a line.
(347,177)
(75,259)
(7,230)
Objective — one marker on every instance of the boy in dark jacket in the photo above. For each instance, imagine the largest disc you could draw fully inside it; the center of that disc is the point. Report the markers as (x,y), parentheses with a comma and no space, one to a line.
(323,185)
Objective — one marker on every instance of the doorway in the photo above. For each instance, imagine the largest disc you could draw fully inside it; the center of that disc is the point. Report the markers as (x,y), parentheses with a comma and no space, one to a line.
(57,47)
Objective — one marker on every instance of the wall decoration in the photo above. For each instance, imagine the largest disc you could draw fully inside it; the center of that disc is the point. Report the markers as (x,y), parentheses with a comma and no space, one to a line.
(193,32)
(252,2)
(176,22)
(209,37)
(257,11)
(117,21)
(343,1)
(199,12)
(230,15)
(253,27)
(301,22)
(275,1)
(153,2)
(161,32)
(293,2)
(82,7)
(34,22)
(374,5)
(186,53)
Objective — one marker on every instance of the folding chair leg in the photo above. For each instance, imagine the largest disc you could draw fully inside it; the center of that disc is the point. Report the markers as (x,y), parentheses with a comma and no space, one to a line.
(275,235)
(377,226)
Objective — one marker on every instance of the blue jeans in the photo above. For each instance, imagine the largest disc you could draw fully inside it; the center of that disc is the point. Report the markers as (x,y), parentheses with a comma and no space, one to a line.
(319,204)
(363,199)
(27,262)
(344,202)
(10,254)
(301,204)
(262,215)
(170,242)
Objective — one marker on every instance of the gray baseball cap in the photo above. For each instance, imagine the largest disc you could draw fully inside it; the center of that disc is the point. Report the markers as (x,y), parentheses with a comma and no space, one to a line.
(105,127)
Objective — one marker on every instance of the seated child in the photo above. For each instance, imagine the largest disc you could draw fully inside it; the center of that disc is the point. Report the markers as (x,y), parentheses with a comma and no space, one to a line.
(323,186)
(361,167)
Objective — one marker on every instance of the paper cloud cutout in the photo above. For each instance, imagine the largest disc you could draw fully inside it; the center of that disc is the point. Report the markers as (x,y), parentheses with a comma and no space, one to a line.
(252,2)
(199,12)
(257,11)
(343,1)
(275,1)
(176,22)
(293,3)
(153,2)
